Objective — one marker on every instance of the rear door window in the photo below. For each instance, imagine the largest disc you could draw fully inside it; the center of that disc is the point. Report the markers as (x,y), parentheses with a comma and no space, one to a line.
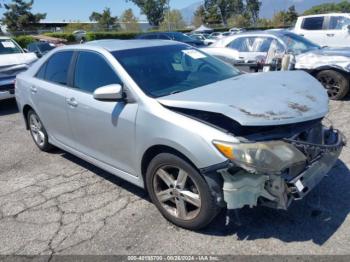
(240,44)
(313,23)
(57,68)
(92,71)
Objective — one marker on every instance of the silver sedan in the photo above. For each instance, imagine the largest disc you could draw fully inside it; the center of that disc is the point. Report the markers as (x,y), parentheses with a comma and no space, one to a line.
(190,129)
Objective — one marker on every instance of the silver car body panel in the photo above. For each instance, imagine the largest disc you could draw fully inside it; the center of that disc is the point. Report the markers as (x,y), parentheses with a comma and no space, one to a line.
(327,57)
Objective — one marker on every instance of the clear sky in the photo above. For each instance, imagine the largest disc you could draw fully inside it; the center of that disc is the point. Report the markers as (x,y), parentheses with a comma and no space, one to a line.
(81,9)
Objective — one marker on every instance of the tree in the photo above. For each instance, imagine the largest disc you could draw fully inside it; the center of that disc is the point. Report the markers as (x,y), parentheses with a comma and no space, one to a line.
(153,9)
(285,18)
(199,16)
(18,16)
(130,21)
(291,16)
(225,8)
(253,9)
(105,19)
(239,21)
(172,21)
(342,7)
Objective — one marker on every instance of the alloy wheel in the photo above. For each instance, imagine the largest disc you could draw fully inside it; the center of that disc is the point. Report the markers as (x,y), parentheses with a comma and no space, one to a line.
(37,130)
(177,192)
(331,84)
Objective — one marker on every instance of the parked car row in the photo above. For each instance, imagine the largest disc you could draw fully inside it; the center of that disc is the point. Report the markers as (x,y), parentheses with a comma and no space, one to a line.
(267,49)
(175,36)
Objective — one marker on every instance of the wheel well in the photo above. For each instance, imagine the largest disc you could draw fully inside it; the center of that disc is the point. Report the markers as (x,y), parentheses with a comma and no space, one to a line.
(318,70)
(156,150)
(26,109)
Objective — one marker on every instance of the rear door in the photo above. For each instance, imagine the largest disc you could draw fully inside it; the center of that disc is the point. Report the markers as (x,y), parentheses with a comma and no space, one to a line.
(337,33)
(102,130)
(312,28)
(48,92)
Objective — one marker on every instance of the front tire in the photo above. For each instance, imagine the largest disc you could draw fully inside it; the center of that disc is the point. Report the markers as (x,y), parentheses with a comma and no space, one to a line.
(179,192)
(336,84)
(38,132)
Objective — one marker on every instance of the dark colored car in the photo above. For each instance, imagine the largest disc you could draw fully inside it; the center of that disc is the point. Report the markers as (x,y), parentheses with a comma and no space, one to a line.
(40,48)
(176,36)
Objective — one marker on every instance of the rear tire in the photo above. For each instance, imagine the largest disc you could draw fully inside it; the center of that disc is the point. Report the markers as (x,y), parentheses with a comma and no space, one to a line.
(179,192)
(336,84)
(38,132)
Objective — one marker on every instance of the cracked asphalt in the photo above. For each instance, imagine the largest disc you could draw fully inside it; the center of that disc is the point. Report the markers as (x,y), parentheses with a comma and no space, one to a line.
(54,203)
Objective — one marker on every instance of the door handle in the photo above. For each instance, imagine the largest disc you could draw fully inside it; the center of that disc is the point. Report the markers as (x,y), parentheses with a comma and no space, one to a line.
(330,35)
(72,102)
(33,89)
(301,34)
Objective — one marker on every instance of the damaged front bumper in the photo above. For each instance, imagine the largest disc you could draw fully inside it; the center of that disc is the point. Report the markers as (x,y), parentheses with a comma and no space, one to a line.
(244,186)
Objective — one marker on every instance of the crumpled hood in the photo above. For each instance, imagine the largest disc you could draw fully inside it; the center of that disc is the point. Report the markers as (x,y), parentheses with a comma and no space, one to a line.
(334,57)
(16,59)
(261,99)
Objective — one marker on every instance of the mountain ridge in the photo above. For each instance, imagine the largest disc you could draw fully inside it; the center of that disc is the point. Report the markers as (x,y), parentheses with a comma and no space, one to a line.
(266,11)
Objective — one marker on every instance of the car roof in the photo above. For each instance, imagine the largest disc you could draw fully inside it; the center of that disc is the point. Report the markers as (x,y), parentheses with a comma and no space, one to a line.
(325,14)
(274,32)
(117,45)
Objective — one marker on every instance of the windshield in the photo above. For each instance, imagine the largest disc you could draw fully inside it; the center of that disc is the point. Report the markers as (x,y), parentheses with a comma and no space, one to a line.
(181,37)
(45,47)
(7,46)
(164,70)
(298,44)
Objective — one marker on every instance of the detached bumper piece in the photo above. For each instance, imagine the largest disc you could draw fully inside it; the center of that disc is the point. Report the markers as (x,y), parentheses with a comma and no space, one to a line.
(321,159)
(321,148)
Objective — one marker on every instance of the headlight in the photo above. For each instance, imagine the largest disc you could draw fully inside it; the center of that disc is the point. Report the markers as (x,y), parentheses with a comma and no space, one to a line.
(264,157)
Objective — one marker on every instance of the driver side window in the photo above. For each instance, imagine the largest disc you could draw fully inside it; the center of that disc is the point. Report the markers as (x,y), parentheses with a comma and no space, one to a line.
(92,71)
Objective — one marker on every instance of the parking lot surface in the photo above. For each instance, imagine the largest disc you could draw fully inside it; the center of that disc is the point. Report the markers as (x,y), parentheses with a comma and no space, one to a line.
(54,203)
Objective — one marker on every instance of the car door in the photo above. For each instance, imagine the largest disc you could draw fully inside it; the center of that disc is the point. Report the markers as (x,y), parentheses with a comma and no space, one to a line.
(102,130)
(337,33)
(48,92)
(312,29)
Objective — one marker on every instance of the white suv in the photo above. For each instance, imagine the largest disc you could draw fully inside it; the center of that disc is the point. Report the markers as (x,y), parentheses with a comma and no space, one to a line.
(331,30)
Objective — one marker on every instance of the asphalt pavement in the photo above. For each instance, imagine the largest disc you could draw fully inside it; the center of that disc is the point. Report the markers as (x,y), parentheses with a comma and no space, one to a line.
(55,203)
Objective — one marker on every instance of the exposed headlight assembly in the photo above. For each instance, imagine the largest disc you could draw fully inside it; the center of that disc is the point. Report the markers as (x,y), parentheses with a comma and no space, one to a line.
(263,157)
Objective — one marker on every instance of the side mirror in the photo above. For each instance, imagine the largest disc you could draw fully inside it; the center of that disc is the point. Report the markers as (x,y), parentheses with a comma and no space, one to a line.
(25,50)
(109,93)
